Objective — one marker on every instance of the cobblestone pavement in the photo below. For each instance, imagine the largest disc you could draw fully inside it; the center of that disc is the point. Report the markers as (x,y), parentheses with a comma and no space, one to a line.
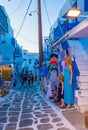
(30,110)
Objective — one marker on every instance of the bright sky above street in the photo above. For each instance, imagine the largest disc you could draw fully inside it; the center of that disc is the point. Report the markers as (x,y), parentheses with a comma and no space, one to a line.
(28,35)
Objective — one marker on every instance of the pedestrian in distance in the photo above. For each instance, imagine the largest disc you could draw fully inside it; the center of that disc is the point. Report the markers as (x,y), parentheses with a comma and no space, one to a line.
(25,78)
(43,74)
(31,78)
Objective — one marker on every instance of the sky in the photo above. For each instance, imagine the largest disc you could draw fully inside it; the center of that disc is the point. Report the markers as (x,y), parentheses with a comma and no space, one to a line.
(28,35)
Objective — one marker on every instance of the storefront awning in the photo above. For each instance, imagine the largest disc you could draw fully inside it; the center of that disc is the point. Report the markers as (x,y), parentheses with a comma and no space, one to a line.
(79,31)
(63,38)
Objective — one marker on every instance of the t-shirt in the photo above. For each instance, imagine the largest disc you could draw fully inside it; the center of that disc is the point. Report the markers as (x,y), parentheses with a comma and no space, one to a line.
(43,71)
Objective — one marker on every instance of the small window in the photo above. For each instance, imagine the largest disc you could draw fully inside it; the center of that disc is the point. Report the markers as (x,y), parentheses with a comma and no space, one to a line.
(29,61)
(85,5)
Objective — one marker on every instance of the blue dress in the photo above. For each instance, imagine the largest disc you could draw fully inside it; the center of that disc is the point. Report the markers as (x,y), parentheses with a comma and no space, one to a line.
(68,89)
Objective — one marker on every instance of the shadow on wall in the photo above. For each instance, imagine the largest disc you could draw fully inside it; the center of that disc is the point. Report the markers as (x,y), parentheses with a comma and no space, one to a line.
(84,43)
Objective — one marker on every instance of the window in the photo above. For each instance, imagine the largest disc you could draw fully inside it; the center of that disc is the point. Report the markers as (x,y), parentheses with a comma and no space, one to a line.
(85,5)
(29,61)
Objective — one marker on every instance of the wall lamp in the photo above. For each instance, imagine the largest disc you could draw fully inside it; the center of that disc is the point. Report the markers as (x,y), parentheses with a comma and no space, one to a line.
(75,13)
(30,14)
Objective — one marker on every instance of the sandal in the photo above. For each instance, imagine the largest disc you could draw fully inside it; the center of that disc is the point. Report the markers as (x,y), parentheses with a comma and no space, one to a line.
(62,106)
(68,106)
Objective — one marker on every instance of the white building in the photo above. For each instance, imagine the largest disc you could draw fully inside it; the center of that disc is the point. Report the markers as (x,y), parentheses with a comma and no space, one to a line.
(73,33)
(30,61)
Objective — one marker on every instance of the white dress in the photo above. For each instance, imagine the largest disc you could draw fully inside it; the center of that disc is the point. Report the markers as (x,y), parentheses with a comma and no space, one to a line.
(49,90)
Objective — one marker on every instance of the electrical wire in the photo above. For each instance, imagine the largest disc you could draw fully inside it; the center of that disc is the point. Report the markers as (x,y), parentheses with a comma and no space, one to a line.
(26,38)
(23,19)
(29,48)
(47,13)
(17,8)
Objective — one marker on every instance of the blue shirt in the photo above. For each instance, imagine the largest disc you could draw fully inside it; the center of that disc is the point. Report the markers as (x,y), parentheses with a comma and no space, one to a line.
(43,71)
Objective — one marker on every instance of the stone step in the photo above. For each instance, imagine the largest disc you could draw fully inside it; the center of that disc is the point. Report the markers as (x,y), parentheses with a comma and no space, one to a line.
(82,58)
(81,96)
(84,83)
(83,87)
(85,56)
(81,92)
(80,53)
(83,66)
(83,70)
(81,101)
(83,73)
(83,78)
(76,93)
(81,61)
(83,108)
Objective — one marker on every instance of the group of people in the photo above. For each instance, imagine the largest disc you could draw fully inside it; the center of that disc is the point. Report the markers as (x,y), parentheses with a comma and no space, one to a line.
(24,78)
(59,86)
(27,78)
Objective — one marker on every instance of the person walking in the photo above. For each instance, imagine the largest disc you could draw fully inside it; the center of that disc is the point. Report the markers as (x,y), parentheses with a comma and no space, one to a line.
(22,77)
(31,78)
(43,74)
(26,78)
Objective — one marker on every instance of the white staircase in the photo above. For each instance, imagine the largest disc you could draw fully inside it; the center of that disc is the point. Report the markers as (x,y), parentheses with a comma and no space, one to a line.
(81,95)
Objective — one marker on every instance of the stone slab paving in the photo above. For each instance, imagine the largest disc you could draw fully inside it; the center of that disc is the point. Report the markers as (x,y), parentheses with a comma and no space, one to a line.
(30,110)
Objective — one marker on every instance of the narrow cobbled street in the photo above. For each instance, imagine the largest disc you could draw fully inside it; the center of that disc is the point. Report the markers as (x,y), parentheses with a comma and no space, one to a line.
(30,110)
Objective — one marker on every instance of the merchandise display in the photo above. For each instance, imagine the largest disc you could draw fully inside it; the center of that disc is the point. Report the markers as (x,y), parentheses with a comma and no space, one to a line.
(6,79)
